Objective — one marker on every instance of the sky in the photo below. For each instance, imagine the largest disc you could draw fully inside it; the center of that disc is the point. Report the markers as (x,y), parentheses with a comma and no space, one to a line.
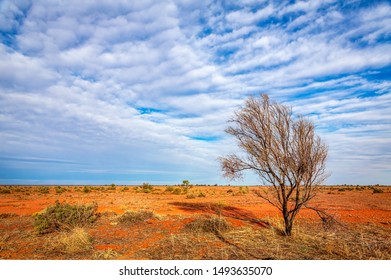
(126,92)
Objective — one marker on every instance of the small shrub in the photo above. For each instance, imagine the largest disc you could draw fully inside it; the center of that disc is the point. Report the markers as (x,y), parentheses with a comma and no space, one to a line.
(230,191)
(177,191)
(124,189)
(191,196)
(86,189)
(377,190)
(131,217)
(60,190)
(145,188)
(65,216)
(43,190)
(169,189)
(201,194)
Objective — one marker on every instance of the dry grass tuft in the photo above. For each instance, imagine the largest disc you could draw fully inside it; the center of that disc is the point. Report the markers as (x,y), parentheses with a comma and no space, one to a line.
(132,217)
(208,224)
(76,241)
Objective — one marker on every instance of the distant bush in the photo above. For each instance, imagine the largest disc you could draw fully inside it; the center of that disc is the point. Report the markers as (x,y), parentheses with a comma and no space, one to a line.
(191,195)
(87,189)
(65,217)
(124,189)
(177,191)
(43,190)
(59,190)
(377,190)
(201,194)
(144,188)
(169,189)
(131,217)
(5,190)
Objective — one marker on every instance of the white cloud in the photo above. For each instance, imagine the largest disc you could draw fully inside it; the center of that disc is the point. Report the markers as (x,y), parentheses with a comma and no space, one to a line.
(74,75)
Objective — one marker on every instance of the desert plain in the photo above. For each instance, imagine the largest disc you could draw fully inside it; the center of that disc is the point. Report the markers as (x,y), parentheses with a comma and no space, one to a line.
(195,222)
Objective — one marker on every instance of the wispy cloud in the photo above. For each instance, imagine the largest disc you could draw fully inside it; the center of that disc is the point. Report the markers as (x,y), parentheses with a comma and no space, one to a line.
(141,91)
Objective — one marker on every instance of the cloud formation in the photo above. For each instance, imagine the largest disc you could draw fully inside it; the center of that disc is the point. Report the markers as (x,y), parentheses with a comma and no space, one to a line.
(127,91)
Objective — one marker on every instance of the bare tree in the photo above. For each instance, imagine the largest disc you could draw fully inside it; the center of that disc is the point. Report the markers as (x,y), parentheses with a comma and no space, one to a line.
(282,149)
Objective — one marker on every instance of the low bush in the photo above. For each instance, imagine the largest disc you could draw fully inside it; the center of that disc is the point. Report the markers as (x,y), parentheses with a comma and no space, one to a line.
(65,217)
(144,188)
(177,191)
(43,190)
(201,194)
(377,190)
(169,189)
(59,190)
(191,196)
(5,190)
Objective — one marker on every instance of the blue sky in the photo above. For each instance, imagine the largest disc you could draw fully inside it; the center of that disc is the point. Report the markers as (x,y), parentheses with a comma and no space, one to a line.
(125,92)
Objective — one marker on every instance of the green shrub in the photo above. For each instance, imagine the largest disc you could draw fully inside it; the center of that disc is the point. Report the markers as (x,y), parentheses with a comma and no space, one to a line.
(131,217)
(65,217)
(124,189)
(144,188)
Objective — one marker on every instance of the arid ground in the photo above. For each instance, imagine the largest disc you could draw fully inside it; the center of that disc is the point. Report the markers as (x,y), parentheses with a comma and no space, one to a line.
(200,222)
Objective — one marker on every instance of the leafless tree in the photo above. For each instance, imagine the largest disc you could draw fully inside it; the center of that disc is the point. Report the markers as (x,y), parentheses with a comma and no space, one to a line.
(282,149)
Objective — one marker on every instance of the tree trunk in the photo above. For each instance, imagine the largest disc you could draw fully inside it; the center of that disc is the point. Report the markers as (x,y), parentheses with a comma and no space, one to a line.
(288,222)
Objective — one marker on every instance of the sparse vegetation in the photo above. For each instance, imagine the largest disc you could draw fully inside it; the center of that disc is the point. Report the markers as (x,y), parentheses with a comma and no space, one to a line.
(5,190)
(144,188)
(65,217)
(43,190)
